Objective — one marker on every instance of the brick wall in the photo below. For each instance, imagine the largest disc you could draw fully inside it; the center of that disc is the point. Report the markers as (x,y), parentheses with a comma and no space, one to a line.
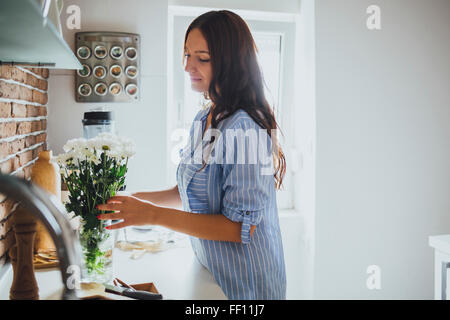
(23,133)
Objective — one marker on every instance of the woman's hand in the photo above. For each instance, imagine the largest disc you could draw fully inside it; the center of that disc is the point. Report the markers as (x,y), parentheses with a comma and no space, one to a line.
(133,211)
(165,198)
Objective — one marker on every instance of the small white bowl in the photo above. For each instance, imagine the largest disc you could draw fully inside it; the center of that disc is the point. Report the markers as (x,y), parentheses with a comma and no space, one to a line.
(131,89)
(100,52)
(112,72)
(88,69)
(83,52)
(115,88)
(87,87)
(103,72)
(131,53)
(127,70)
(116,52)
(102,85)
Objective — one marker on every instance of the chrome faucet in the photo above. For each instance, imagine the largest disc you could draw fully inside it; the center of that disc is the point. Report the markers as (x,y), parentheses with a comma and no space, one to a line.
(48,209)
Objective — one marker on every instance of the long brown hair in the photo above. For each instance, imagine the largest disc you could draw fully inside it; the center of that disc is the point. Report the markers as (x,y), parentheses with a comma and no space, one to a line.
(237,81)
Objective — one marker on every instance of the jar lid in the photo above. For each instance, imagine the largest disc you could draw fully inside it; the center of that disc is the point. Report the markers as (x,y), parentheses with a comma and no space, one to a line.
(98,115)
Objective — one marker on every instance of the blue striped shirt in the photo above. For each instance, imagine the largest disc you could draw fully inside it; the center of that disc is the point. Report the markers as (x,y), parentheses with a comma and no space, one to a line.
(243,192)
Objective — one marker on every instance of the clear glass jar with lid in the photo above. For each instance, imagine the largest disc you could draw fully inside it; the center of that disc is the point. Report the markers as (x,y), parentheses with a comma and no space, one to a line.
(98,121)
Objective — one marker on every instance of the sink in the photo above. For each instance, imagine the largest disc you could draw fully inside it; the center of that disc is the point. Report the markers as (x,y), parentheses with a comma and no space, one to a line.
(51,212)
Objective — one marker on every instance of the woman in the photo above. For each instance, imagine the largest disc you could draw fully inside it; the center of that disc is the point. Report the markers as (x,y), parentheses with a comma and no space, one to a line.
(229,202)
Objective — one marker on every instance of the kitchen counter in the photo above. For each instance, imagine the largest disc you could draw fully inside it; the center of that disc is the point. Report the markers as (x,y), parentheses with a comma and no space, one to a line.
(440,242)
(175,272)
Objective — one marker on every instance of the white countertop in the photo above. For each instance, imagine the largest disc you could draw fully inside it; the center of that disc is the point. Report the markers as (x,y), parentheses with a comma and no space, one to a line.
(440,242)
(175,272)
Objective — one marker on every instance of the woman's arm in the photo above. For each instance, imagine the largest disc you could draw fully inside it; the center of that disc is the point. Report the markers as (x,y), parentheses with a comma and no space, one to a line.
(205,226)
(134,211)
(166,198)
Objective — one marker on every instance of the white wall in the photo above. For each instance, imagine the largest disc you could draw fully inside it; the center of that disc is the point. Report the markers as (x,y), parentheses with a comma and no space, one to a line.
(305,133)
(289,6)
(144,122)
(382,170)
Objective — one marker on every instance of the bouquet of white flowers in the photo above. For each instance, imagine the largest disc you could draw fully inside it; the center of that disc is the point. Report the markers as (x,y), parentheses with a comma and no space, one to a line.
(93,171)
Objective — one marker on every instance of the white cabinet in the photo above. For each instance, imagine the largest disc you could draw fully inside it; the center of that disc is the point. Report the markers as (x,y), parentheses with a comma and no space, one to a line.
(441,245)
(30,38)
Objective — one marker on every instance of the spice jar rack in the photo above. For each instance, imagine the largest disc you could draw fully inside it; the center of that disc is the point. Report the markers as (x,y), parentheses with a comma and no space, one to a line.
(111,62)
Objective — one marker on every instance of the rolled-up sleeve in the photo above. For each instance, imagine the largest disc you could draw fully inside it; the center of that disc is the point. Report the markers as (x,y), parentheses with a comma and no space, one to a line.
(246,193)
(245,196)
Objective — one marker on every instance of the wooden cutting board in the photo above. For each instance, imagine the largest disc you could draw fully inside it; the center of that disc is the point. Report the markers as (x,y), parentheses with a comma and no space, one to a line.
(45,259)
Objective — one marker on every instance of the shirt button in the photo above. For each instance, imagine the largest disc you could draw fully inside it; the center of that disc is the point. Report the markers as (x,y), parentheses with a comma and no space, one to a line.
(247,213)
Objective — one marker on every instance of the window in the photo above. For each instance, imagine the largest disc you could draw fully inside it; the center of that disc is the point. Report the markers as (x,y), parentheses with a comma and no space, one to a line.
(275,42)
(269,59)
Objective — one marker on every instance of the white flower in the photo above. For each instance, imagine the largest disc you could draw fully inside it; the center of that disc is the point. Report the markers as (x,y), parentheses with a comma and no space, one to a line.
(58,159)
(75,144)
(66,159)
(128,147)
(114,153)
(95,145)
(89,153)
(114,146)
(129,152)
(80,149)
(76,222)
(107,143)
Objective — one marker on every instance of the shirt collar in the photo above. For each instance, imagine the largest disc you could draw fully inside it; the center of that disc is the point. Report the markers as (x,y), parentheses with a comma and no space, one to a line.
(205,113)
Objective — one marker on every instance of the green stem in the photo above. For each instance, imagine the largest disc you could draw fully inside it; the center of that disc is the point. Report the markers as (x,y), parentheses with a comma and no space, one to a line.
(87,173)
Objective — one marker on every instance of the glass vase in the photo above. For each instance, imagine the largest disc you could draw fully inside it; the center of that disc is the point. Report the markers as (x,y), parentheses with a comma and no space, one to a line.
(97,247)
